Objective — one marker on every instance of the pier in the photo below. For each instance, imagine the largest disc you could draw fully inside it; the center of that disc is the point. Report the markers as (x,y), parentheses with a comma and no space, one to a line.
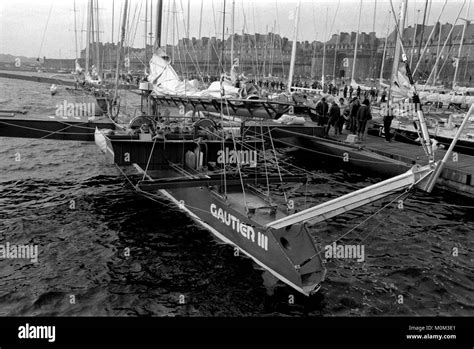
(457,176)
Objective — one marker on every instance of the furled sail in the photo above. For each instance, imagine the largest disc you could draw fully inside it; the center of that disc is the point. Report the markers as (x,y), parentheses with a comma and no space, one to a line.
(165,81)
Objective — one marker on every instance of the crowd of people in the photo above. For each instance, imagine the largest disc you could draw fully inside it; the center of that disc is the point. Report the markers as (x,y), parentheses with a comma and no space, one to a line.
(349,114)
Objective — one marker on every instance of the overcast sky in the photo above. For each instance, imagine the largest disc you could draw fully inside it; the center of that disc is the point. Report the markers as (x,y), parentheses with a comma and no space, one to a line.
(46,27)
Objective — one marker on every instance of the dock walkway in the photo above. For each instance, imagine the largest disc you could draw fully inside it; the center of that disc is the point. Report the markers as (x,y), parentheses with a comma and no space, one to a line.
(457,175)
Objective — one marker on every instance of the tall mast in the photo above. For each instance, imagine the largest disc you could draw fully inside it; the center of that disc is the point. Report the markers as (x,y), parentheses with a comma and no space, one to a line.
(188,19)
(113,7)
(466,24)
(293,50)
(414,40)
(398,35)
(335,58)
(385,48)
(324,49)
(88,34)
(356,44)
(223,38)
(119,51)
(200,20)
(437,53)
(146,31)
(174,21)
(92,32)
(372,70)
(151,23)
(97,41)
(75,30)
(232,33)
(158,23)
(422,29)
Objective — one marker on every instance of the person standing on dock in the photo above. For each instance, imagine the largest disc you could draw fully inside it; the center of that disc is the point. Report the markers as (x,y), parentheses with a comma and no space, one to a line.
(344,92)
(334,115)
(363,115)
(351,90)
(322,111)
(354,108)
(387,122)
(384,96)
(342,114)
(358,92)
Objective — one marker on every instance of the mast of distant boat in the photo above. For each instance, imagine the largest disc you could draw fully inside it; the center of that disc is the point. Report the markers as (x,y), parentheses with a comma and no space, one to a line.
(232,30)
(356,45)
(159,15)
(385,49)
(466,24)
(119,51)
(323,78)
(293,50)
(88,35)
(398,35)
(75,31)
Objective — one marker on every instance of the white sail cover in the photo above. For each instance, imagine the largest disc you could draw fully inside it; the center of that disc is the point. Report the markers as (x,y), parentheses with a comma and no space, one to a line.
(165,81)
(401,89)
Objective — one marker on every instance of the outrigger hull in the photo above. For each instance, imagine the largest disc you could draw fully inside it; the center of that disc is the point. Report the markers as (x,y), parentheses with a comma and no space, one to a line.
(263,246)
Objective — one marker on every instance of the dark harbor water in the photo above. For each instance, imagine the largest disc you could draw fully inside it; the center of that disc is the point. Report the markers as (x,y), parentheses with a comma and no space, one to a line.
(83,215)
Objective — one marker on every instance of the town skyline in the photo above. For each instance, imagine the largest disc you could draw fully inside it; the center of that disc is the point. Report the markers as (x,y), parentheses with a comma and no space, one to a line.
(47,29)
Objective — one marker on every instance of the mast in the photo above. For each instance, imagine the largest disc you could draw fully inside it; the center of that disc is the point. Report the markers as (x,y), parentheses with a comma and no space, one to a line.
(159,19)
(466,24)
(92,32)
(75,30)
(97,41)
(232,19)
(293,50)
(88,35)
(384,50)
(422,29)
(356,44)
(398,36)
(146,31)
(174,23)
(324,50)
(372,68)
(414,39)
(113,7)
(151,23)
(437,54)
(335,58)
(188,19)
(223,39)
(200,20)
(119,51)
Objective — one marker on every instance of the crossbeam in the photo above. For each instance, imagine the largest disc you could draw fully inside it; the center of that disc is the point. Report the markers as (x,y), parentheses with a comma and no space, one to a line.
(186,182)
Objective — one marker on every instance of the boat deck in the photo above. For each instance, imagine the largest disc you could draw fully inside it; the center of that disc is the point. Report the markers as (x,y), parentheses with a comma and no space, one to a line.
(263,213)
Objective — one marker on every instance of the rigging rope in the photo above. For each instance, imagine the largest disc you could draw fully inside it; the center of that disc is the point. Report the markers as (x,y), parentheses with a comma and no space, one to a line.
(45,28)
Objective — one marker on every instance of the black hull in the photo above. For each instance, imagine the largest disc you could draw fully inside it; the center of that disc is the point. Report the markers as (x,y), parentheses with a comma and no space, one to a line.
(51,129)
